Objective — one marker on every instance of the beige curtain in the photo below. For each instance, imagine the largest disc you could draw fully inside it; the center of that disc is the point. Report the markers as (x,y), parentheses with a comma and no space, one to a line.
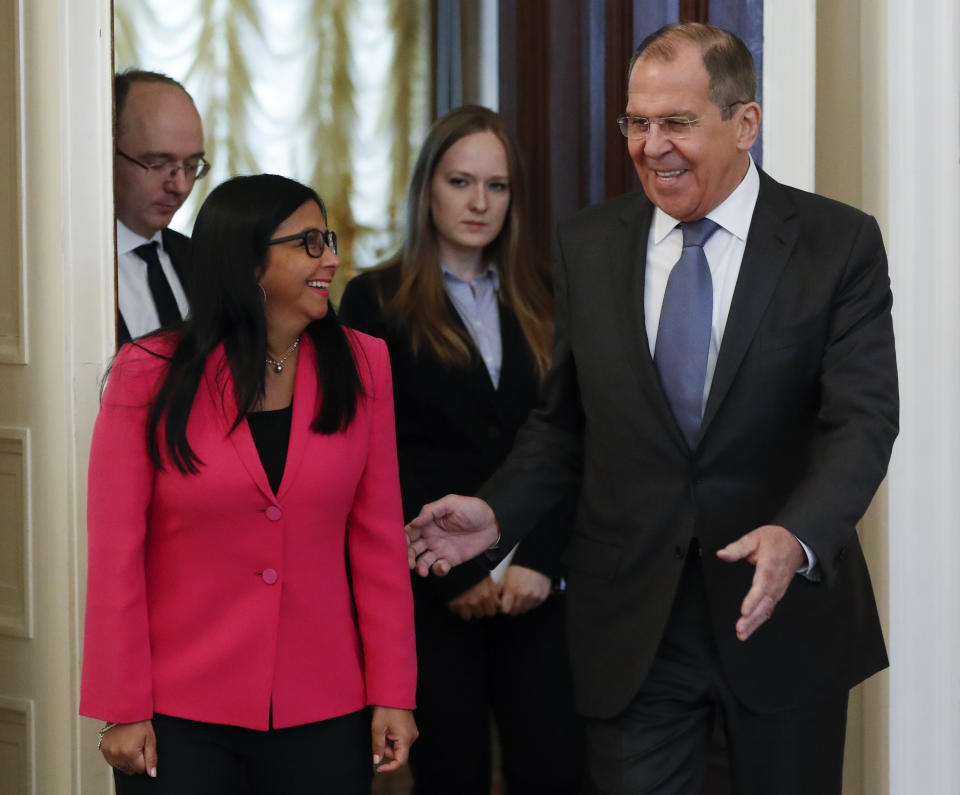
(333,93)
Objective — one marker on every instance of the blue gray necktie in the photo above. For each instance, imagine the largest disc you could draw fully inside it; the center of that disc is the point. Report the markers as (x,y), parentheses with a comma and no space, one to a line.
(683,337)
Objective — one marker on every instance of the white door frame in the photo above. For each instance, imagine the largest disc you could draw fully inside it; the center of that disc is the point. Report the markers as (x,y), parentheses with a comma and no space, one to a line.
(64,277)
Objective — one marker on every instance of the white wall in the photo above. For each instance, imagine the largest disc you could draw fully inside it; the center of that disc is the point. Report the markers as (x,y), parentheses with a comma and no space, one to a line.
(922,120)
(789,90)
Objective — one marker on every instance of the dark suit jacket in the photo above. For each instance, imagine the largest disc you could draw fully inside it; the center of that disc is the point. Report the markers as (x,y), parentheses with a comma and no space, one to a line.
(798,428)
(177,246)
(453,428)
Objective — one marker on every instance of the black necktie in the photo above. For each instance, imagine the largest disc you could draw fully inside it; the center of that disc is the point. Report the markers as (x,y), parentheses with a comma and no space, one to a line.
(167,310)
(683,337)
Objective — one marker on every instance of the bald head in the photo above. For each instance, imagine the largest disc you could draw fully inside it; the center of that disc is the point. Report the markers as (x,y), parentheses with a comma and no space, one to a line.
(157,122)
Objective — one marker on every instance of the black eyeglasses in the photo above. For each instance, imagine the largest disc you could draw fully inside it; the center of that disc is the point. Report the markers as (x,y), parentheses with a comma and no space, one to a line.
(314,241)
(192,167)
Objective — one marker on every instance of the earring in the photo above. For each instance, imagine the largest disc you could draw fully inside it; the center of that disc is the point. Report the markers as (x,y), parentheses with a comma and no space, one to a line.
(264,293)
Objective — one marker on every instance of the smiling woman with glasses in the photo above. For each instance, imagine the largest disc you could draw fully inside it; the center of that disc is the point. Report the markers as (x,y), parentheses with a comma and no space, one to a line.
(314,241)
(249,616)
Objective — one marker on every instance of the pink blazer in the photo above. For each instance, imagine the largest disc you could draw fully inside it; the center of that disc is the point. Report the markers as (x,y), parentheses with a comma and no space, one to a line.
(209,597)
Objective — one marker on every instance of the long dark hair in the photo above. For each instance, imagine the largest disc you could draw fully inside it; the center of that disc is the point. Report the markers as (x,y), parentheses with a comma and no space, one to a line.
(228,252)
(420,304)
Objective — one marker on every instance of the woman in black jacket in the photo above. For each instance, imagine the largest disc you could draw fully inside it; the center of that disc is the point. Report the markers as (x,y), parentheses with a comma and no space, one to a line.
(467,315)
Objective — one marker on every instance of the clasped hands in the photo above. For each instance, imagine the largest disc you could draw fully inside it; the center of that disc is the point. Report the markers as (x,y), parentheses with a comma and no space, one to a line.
(521,589)
(455,529)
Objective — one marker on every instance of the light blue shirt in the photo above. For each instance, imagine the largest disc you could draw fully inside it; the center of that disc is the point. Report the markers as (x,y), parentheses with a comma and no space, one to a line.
(476,303)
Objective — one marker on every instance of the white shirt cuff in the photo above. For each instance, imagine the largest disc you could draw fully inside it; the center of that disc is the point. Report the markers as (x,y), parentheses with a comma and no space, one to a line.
(810,569)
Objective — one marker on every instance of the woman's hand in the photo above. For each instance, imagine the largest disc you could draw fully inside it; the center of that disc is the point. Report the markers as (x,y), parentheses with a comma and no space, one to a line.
(131,748)
(522,589)
(482,600)
(393,731)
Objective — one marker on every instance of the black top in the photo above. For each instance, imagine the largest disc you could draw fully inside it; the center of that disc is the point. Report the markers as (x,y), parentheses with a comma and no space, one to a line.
(271,435)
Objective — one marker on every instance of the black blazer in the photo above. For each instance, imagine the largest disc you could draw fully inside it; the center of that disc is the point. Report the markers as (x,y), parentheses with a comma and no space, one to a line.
(798,429)
(453,428)
(177,247)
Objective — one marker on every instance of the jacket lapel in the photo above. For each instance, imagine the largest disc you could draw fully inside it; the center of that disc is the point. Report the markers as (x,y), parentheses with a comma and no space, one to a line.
(479,375)
(628,262)
(516,362)
(773,235)
(176,248)
(220,387)
(305,391)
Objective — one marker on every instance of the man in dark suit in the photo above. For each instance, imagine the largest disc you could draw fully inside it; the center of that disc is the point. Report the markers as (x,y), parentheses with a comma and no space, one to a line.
(158,157)
(724,396)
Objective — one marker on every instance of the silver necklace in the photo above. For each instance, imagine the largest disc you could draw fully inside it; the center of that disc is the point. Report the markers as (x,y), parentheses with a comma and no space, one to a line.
(278,363)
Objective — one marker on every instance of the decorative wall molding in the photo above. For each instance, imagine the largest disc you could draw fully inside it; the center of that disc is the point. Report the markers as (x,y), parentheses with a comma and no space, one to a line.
(16,603)
(17,757)
(81,33)
(13,298)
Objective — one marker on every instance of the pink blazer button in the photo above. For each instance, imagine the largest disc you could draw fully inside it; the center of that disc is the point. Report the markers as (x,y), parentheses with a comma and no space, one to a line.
(270,576)
(273,513)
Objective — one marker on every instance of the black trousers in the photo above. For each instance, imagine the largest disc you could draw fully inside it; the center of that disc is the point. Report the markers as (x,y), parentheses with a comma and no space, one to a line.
(513,668)
(330,757)
(659,744)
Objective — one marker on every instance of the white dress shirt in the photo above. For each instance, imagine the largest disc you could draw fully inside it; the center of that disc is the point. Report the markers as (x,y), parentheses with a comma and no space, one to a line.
(133,292)
(724,252)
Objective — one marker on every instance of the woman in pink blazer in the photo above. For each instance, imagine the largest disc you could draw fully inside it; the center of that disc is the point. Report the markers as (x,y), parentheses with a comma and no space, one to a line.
(249,619)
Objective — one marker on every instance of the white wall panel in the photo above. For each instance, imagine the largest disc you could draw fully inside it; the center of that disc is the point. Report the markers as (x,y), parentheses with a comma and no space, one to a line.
(16,746)
(12,261)
(15,580)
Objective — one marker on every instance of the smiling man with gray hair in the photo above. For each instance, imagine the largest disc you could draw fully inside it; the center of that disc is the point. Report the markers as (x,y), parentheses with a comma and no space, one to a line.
(723,398)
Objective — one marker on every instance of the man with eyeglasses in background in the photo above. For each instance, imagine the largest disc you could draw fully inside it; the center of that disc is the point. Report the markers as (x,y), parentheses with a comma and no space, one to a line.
(723,397)
(158,157)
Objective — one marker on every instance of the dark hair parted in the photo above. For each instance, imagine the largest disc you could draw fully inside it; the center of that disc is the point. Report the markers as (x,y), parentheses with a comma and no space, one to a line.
(420,304)
(728,62)
(121,88)
(228,253)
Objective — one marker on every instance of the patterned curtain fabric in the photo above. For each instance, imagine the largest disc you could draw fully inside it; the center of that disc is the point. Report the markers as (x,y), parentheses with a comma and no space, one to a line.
(333,93)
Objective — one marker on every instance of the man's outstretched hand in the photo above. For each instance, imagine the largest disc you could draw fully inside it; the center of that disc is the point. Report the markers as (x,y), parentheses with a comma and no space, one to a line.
(776,555)
(448,532)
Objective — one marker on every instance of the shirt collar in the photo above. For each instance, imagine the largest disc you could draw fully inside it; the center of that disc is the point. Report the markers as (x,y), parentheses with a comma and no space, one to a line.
(733,214)
(491,275)
(128,240)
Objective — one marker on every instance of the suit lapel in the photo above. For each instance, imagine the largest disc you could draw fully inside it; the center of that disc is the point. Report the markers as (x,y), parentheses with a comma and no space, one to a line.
(479,374)
(628,261)
(773,235)
(516,362)
(176,247)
